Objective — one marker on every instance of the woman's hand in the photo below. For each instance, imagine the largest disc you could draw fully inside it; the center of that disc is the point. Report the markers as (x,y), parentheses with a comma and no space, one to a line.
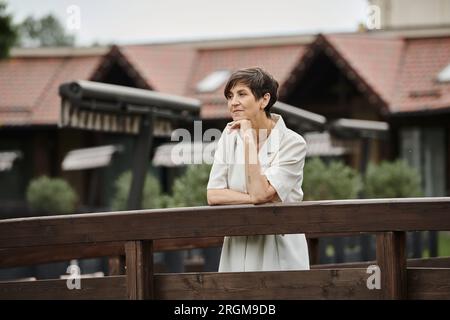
(243,125)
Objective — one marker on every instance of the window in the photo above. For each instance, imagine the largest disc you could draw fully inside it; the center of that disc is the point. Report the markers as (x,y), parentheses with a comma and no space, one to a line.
(213,81)
(444,75)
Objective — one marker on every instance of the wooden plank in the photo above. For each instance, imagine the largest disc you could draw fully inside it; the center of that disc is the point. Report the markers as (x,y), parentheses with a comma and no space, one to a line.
(338,216)
(429,283)
(439,262)
(187,243)
(139,269)
(93,288)
(44,254)
(391,259)
(313,284)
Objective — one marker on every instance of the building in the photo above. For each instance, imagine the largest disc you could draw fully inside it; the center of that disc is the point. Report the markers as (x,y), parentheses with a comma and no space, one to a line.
(397,76)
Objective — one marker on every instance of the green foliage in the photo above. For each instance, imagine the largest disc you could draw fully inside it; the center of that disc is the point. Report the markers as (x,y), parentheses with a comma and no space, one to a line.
(392,180)
(330,182)
(44,32)
(51,196)
(189,190)
(8,33)
(151,197)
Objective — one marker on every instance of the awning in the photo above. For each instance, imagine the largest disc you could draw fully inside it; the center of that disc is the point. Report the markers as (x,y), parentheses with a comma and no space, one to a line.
(320,144)
(89,158)
(7,159)
(177,154)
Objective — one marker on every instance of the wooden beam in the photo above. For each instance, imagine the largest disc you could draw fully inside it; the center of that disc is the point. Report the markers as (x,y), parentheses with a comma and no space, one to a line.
(43,254)
(391,259)
(429,283)
(313,284)
(139,269)
(91,288)
(313,250)
(376,215)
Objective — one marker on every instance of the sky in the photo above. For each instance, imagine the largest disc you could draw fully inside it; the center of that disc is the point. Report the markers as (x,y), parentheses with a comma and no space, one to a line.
(147,21)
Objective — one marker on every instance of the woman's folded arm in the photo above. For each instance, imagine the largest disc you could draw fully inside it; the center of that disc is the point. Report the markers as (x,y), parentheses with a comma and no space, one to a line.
(227,196)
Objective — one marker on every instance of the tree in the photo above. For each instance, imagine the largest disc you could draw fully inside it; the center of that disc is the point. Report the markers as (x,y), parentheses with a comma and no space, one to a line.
(189,190)
(51,196)
(8,33)
(330,182)
(392,180)
(152,197)
(44,32)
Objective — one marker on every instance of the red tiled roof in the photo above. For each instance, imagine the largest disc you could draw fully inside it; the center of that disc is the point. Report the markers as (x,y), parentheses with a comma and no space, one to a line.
(401,71)
(166,68)
(417,88)
(278,60)
(375,59)
(29,87)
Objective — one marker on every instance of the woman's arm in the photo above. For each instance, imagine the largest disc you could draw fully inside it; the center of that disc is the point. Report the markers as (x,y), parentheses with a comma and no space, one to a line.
(227,196)
(258,186)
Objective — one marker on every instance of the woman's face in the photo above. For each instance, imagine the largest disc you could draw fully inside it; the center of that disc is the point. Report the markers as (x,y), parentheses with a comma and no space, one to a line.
(242,104)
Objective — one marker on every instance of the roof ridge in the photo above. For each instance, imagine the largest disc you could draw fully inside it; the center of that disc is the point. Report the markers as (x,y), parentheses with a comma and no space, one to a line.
(48,85)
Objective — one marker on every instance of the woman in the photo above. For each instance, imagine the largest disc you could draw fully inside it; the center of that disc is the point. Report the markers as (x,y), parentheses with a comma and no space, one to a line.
(258,160)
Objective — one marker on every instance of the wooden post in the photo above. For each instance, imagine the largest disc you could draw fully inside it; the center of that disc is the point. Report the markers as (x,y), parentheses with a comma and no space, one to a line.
(391,259)
(116,265)
(139,269)
(313,245)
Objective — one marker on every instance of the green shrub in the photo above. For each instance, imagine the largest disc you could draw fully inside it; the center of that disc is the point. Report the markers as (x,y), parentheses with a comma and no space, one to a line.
(329,182)
(189,190)
(151,196)
(392,180)
(51,196)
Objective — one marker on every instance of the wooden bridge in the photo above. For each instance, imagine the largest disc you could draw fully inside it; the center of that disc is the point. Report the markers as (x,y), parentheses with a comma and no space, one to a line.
(137,234)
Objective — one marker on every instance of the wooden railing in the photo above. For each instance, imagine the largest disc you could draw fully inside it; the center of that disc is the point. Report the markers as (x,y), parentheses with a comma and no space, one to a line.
(137,234)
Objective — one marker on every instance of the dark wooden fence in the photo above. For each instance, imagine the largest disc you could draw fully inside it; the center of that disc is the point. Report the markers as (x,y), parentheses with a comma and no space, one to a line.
(137,234)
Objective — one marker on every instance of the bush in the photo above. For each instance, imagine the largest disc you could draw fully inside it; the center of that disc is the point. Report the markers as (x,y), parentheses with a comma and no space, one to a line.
(151,197)
(392,180)
(329,182)
(51,196)
(189,190)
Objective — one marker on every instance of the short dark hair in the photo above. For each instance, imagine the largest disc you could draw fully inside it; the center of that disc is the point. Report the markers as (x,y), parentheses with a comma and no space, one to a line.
(259,81)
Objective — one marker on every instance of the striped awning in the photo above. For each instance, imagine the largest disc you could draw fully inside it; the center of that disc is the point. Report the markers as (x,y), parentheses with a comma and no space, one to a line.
(89,158)
(184,153)
(320,144)
(7,159)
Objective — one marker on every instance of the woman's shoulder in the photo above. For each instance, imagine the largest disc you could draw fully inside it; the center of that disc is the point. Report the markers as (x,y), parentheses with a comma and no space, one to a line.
(293,138)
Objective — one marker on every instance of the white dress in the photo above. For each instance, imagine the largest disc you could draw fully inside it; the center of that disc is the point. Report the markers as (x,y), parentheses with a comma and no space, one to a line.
(282,158)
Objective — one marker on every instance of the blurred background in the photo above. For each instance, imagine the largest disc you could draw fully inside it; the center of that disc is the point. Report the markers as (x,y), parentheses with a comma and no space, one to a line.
(367,83)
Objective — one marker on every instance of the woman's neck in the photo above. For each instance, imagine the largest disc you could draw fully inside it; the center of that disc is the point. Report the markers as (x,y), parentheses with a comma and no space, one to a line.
(262,126)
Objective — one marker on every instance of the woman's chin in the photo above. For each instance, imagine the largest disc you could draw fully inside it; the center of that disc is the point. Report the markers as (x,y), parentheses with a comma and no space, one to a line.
(236,117)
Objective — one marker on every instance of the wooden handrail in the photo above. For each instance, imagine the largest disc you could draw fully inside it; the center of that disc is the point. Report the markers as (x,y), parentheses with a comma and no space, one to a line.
(315,217)
(137,234)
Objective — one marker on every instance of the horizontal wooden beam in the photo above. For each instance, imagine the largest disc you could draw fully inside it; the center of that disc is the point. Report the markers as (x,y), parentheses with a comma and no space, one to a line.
(423,283)
(428,283)
(438,262)
(44,254)
(319,217)
(93,288)
(313,284)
